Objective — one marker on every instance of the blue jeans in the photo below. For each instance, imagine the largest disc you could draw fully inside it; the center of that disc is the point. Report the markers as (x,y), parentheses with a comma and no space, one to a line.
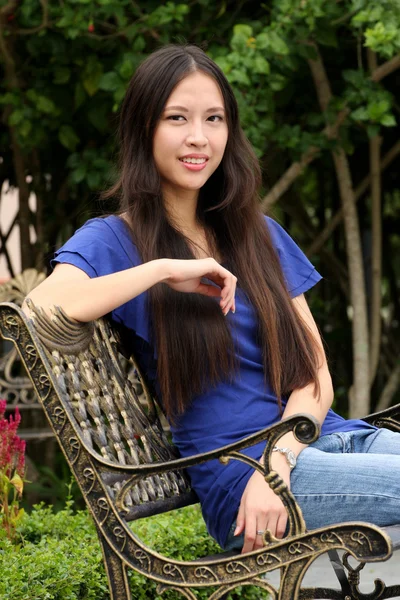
(346,476)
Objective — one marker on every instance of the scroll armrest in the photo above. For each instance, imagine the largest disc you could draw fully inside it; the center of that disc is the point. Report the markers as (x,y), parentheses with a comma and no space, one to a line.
(305,429)
(390,418)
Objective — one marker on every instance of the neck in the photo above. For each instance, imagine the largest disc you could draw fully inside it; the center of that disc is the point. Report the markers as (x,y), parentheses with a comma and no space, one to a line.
(182,208)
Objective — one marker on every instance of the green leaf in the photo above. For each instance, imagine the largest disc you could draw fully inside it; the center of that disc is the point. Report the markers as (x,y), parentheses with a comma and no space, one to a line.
(79,174)
(222,10)
(139,44)
(243,30)
(45,105)
(238,76)
(92,76)
(377,109)
(16,117)
(360,114)
(263,41)
(25,128)
(388,121)
(261,65)
(18,483)
(61,75)
(68,137)
(278,45)
(110,82)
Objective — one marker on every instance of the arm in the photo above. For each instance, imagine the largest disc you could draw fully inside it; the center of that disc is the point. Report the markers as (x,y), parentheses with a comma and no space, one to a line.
(303,400)
(85,299)
(260,507)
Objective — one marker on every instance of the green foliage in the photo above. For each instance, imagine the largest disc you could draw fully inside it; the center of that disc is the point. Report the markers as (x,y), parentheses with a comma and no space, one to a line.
(59,556)
(72,71)
(370,103)
(380,23)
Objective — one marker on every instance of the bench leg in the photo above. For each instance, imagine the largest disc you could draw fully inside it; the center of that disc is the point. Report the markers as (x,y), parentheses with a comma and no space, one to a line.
(291,577)
(116,572)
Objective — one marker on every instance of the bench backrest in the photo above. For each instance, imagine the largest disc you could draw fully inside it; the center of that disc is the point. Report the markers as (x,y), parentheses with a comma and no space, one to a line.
(84,370)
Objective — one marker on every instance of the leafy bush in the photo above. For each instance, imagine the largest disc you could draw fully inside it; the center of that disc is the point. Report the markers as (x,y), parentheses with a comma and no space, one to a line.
(59,557)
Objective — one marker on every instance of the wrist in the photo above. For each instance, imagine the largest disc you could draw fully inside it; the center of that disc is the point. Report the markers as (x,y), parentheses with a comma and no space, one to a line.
(163,268)
(280,465)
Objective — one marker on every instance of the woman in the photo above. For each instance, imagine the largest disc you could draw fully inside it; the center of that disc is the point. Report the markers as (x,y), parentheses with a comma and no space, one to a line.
(213,293)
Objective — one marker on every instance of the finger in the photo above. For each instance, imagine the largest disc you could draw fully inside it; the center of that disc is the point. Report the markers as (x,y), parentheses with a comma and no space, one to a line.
(249,534)
(272,523)
(228,296)
(259,534)
(208,290)
(239,521)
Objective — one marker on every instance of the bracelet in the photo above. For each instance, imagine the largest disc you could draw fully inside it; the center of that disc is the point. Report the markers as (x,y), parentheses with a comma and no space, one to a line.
(289,454)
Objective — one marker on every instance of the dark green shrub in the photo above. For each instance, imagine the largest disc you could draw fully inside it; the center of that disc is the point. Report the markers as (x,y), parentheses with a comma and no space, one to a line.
(59,557)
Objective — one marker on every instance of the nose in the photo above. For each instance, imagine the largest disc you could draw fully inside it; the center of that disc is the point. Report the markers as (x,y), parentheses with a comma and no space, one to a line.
(196,136)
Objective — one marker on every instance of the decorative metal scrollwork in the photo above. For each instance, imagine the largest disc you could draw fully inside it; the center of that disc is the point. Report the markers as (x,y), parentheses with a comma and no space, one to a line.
(75,448)
(11,325)
(143,559)
(59,418)
(299,548)
(360,538)
(89,476)
(330,537)
(205,573)
(236,567)
(121,536)
(44,386)
(173,571)
(267,559)
(103,506)
(31,356)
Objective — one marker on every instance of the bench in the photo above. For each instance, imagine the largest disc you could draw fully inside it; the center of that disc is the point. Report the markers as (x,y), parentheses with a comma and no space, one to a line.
(127,469)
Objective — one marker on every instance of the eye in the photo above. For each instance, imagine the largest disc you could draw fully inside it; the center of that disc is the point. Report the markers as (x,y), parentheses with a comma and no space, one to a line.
(216,118)
(175,118)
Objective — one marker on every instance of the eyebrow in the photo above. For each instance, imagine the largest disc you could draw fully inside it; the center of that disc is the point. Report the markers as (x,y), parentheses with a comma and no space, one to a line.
(184,109)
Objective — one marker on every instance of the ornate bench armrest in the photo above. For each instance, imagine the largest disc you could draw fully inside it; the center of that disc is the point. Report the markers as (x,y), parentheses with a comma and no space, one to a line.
(390,418)
(304,426)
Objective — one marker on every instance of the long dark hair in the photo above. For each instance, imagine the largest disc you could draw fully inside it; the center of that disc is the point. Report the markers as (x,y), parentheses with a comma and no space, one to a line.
(194,343)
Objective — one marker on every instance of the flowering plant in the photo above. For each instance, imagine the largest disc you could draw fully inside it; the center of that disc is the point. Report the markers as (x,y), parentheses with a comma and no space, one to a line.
(12,471)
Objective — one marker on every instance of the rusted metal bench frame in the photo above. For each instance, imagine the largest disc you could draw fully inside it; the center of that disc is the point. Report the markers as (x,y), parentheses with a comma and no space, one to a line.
(59,355)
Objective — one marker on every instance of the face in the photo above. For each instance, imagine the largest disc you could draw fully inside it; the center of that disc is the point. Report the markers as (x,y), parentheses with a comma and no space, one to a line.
(191,136)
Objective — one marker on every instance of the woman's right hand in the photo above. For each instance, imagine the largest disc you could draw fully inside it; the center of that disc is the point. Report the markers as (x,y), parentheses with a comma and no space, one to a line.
(187,276)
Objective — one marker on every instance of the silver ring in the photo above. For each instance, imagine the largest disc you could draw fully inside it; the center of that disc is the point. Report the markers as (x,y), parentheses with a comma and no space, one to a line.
(260,532)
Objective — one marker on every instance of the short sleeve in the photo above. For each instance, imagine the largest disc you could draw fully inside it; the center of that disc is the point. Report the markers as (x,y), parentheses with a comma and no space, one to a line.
(102,247)
(299,273)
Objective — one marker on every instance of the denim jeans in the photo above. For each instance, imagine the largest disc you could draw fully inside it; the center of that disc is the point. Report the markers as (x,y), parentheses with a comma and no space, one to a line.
(346,476)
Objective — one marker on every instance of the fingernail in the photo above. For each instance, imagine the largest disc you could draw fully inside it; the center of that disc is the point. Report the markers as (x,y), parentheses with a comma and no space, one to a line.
(236,531)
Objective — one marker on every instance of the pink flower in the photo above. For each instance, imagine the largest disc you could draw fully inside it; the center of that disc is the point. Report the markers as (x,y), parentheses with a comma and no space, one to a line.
(3,405)
(12,470)
(12,448)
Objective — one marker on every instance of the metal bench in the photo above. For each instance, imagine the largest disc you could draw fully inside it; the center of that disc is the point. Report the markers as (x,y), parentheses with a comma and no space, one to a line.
(127,469)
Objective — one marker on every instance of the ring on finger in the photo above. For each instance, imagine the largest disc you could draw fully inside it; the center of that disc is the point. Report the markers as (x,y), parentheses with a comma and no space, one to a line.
(260,532)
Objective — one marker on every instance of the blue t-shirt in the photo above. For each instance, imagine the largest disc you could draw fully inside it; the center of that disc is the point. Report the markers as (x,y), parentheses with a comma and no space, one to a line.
(229,411)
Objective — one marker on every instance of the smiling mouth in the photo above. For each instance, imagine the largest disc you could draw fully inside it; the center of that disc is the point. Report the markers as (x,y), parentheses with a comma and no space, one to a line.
(194,161)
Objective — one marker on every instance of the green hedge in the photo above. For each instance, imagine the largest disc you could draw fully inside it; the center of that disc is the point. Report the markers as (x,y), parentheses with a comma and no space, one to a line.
(59,557)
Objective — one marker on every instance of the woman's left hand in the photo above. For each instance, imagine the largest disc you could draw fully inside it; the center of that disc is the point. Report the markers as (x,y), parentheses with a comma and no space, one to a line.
(261,509)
